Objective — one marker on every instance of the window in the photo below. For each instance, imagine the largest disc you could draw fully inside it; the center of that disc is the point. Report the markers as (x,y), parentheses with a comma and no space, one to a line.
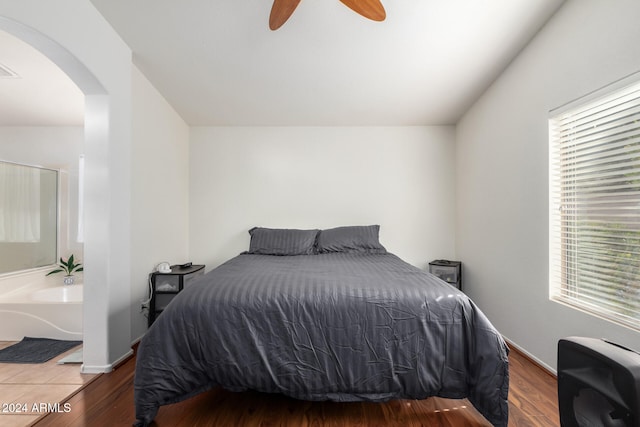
(594,204)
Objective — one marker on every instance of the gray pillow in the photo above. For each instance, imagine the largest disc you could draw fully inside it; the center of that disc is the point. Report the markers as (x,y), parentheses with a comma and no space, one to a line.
(274,241)
(361,238)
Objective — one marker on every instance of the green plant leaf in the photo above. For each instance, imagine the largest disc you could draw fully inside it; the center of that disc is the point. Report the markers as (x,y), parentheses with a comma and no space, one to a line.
(69,266)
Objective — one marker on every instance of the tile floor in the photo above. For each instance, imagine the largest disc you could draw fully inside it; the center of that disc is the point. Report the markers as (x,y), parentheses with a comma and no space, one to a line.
(29,391)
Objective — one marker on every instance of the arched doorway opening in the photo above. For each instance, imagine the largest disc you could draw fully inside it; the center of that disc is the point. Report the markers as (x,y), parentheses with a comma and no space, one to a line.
(106,233)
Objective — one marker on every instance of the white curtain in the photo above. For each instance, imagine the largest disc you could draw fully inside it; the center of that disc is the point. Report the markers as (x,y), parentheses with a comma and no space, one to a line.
(19,203)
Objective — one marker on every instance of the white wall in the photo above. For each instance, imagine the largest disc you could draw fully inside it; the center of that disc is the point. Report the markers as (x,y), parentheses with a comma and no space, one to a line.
(159,191)
(502,164)
(319,177)
(48,146)
(138,156)
(79,40)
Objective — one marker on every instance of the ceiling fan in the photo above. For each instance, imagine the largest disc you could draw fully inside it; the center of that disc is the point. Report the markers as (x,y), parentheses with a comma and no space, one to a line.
(283,9)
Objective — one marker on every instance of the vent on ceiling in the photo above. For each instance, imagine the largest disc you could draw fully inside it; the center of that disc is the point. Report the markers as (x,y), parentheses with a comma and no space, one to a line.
(7,73)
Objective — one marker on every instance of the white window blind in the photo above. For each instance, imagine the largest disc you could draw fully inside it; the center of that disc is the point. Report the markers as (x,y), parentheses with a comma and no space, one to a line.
(595,205)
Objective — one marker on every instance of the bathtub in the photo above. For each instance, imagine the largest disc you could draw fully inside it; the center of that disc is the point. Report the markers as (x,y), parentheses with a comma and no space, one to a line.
(41,307)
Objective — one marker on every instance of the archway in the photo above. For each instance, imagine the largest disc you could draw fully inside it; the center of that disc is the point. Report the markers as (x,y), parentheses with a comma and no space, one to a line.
(106,300)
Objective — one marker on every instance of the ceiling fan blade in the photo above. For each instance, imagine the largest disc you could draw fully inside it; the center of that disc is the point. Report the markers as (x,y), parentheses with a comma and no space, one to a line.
(281,11)
(372,9)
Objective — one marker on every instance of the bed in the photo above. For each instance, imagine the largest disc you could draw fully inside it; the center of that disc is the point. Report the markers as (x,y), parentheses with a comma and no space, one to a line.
(322,315)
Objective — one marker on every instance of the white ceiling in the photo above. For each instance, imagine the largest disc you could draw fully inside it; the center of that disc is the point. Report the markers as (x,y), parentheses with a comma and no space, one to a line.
(218,63)
(38,93)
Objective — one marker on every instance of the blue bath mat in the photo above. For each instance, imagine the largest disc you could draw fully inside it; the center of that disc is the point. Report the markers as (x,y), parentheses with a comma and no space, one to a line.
(35,350)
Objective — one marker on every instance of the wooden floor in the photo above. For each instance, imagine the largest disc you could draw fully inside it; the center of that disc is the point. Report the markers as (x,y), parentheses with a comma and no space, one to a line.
(27,391)
(108,402)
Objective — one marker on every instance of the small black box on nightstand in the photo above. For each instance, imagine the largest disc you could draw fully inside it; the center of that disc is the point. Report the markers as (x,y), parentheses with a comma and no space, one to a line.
(449,271)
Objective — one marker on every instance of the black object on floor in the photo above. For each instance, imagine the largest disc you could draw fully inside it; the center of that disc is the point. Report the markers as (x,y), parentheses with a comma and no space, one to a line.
(35,350)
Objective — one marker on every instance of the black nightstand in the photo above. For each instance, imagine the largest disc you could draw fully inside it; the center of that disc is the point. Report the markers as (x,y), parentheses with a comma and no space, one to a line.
(165,286)
(449,271)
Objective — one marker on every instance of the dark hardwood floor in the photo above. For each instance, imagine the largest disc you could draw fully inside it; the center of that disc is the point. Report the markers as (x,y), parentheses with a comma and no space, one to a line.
(108,401)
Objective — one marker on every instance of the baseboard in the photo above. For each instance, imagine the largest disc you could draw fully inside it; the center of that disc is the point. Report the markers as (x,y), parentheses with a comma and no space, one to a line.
(105,369)
(135,342)
(531,357)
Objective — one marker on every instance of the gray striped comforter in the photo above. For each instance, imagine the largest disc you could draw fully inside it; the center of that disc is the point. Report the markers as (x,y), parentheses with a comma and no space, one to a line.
(340,327)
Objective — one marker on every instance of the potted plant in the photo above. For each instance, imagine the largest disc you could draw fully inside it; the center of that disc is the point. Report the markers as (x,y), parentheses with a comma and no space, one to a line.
(69,267)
